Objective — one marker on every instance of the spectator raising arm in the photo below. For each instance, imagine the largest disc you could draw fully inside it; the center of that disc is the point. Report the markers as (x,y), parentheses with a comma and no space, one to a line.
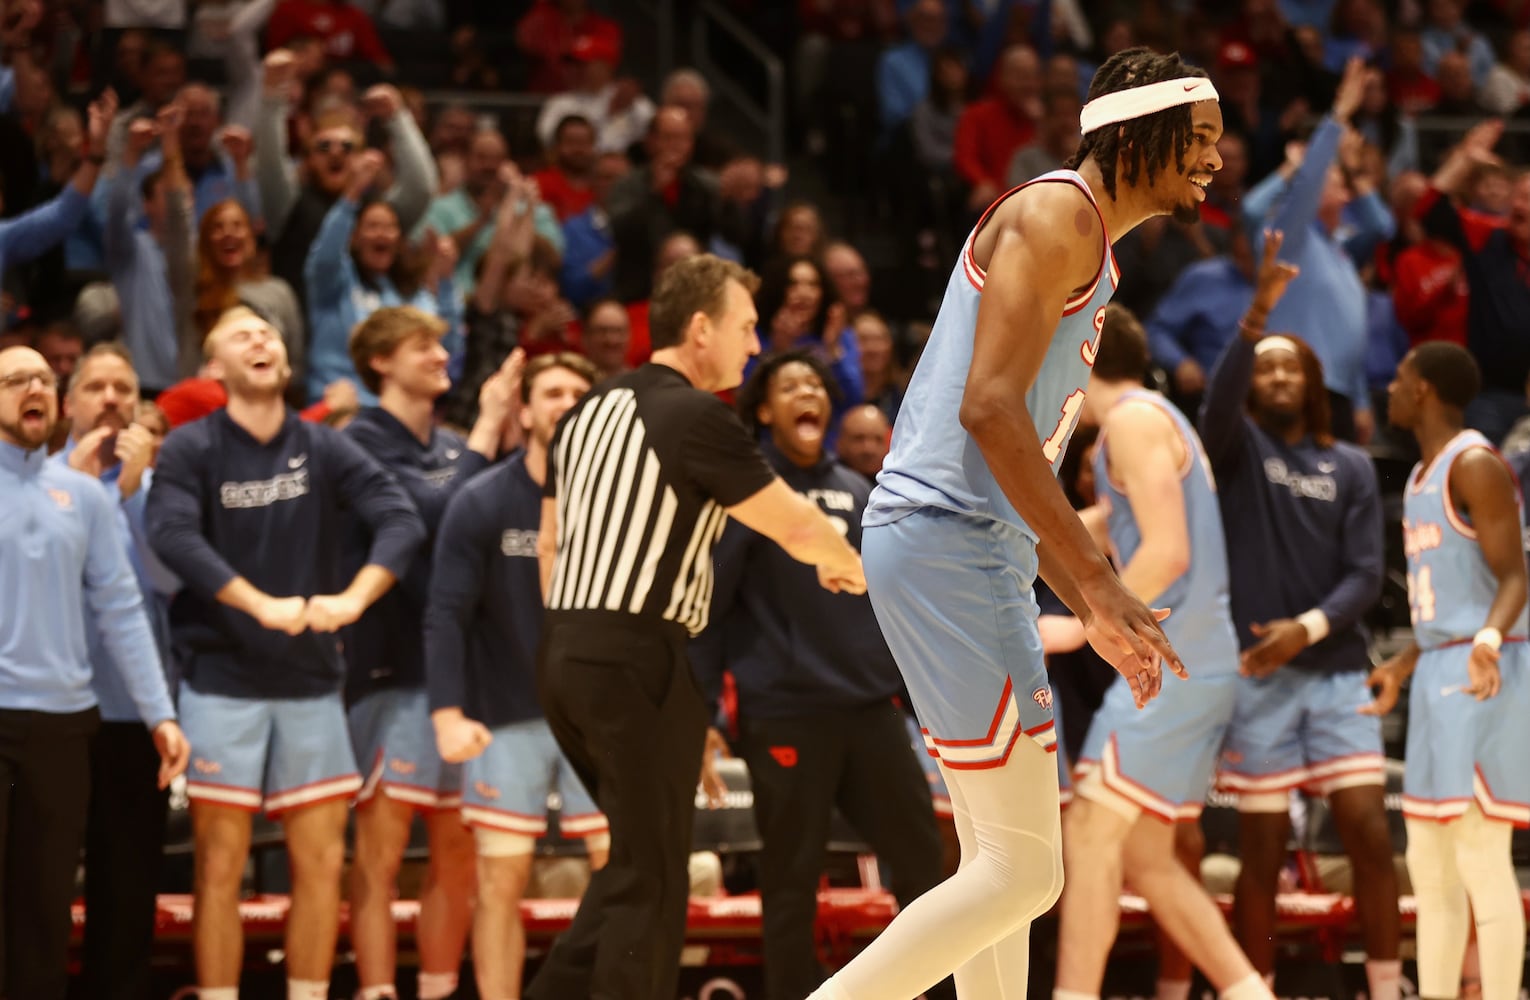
(33,233)
(1223,426)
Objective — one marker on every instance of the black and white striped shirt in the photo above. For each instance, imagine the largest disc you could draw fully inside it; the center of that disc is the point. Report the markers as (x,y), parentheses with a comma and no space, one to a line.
(642,470)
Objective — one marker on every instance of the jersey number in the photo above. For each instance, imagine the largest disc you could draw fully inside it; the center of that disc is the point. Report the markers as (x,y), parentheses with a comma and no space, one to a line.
(1053,445)
(1421,595)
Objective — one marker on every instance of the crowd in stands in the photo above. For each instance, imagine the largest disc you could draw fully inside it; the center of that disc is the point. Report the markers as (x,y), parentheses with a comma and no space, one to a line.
(286,156)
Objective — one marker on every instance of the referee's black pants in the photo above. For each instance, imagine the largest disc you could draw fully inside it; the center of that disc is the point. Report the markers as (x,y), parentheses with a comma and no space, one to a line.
(124,846)
(44,788)
(620,699)
(800,769)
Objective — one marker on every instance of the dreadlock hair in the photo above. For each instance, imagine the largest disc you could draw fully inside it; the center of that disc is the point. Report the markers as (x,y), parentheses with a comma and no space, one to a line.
(1149,143)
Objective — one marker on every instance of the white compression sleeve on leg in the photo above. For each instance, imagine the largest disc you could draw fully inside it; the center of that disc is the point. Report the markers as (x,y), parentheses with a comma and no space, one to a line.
(1014,878)
(1486,866)
(1442,912)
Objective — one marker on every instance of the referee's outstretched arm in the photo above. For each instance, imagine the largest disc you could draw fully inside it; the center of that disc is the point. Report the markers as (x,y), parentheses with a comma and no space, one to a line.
(795,523)
(779,513)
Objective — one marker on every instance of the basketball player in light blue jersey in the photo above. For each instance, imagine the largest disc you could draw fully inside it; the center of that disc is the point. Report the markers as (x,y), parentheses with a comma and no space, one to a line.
(968,511)
(1466,783)
(1143,771)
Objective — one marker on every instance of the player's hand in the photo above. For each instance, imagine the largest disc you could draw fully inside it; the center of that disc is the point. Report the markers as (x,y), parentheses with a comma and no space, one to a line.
(174,751)
(712,784)
(502,390)
(1279,642)
(1127,636)
(135,450)
(283,614)
(1387,679)
(332,612)
(1482,671)
(459,738)
(1274,274)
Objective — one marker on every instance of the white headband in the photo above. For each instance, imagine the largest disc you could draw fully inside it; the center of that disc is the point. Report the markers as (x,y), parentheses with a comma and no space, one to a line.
(1124,105)
(1276,343)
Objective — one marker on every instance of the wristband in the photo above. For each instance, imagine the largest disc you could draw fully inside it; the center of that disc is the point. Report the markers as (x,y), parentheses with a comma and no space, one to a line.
(1316,624)
(1489,637)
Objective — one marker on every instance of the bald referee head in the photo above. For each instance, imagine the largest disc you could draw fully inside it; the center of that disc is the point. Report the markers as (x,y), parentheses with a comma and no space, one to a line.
(642,476)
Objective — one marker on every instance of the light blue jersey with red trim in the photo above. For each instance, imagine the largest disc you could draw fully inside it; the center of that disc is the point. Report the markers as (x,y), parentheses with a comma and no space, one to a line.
(1450,585)
(934,462)
(1201,624)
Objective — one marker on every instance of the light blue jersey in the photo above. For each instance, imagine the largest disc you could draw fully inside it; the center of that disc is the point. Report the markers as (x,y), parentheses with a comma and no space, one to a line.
(1200,627)
(1460,750)
(934,462)
(1450,586)
(1161,758)
(950,565)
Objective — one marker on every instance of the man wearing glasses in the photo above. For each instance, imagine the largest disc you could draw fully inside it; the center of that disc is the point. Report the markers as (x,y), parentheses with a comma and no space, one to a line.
(60,550)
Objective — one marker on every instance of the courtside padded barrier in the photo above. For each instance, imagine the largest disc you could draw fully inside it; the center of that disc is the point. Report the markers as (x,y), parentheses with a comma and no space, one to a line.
(847,919)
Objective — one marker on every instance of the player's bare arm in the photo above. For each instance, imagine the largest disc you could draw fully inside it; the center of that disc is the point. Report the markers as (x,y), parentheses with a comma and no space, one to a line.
(1038,249)
(1146,457)
(1483,488)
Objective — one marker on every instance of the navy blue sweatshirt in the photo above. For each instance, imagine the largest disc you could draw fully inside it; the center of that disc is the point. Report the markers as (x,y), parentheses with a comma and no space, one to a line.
(223,505)
(794,648)
(484,616)
(386,647)
(1303,523)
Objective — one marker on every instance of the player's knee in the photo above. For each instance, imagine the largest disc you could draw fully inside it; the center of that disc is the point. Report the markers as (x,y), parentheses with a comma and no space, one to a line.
(1025,873)
(317,860)
(502,879)
(1368,838)
(219,867)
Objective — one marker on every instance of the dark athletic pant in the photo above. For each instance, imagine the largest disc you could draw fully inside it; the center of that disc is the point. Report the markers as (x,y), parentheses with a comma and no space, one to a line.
(44,788)
(800,769)
(124,845)
(620,699)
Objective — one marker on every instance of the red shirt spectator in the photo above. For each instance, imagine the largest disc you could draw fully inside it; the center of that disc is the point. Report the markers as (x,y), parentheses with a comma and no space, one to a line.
(1430,293)
(565,197)
(987,135)
(346,31)
(990,130)
(546,34)
(565,184)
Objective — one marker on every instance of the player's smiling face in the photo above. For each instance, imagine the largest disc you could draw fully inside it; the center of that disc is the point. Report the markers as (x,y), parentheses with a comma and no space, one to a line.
(1185,189)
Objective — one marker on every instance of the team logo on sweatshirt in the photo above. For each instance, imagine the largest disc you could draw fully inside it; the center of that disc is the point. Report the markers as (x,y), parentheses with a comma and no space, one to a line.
(264,492)
(62,498)
(1043,696)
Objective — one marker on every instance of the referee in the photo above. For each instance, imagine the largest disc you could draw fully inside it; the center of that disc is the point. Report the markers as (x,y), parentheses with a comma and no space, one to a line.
(642,477)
